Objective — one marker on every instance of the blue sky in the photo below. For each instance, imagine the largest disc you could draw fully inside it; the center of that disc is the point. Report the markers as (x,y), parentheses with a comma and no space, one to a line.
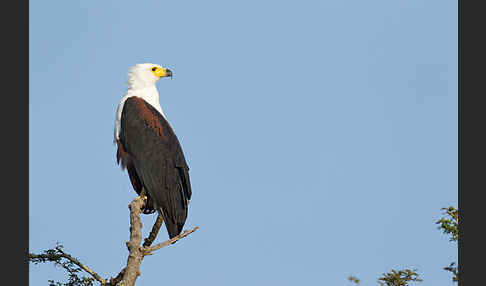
(321,136)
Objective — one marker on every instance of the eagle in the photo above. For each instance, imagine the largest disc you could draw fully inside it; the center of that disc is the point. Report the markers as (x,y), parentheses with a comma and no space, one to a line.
(149,150)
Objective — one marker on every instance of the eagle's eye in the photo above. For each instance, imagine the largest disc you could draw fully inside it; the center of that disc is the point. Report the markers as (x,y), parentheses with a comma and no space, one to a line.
(154,69)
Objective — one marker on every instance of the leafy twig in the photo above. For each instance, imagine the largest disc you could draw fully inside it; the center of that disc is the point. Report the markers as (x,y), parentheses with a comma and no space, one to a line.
(399,278)
(354,279)
(72,266)
(453,269)
(449,222)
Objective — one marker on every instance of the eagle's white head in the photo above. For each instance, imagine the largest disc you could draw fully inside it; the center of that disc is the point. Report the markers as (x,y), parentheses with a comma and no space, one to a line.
(145,75)
(141,83)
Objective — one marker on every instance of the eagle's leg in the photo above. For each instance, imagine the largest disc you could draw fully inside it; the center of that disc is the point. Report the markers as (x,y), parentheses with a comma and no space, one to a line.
(143,195)
(148,206)
(153,233)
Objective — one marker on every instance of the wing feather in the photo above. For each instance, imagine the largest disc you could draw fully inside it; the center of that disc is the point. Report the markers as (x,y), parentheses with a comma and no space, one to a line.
(158,161)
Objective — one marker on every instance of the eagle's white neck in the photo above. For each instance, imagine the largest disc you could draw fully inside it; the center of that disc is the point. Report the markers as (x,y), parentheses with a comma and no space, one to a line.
(148,93)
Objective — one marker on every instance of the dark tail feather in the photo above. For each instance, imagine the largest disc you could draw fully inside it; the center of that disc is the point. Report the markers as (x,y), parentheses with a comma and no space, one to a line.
(173,229)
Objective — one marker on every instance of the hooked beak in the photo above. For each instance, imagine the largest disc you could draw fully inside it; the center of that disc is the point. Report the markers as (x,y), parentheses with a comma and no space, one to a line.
(168,73)
(162,72)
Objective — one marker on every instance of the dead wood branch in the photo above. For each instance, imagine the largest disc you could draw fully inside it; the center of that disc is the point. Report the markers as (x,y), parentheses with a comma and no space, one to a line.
(132,271)
(137,252)
(129,274)
(149,250)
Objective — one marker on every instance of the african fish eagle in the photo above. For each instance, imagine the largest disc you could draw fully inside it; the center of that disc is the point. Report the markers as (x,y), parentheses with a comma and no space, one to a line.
(149,149)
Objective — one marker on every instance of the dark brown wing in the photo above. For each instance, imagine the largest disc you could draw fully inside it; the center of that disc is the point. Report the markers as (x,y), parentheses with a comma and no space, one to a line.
(154,159)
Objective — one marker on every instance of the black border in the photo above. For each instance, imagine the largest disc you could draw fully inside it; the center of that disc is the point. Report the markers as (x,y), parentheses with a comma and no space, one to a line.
(471,142)
(14,140)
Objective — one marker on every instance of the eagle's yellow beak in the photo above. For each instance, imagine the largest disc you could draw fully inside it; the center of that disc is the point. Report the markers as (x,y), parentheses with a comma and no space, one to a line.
(162,72)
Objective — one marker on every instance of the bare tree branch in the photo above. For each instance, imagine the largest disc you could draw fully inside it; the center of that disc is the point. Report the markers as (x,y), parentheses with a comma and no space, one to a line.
(149,250)
(137,253)
(129,274)
(132,271)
